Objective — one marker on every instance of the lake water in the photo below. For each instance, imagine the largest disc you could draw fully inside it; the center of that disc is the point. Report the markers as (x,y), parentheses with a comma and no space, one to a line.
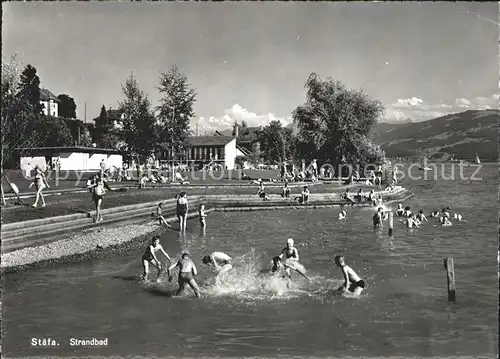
(403,311)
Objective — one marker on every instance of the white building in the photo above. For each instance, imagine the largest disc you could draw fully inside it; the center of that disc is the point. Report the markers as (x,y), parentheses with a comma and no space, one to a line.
(219,149)
(50,103)
(87,159)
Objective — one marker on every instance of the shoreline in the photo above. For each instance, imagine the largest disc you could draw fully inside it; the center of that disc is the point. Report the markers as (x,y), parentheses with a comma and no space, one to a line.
(106,241)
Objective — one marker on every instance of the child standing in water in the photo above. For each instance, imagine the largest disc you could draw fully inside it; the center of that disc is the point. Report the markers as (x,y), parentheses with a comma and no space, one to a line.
(378,218)
(149,257)
(291,255)
(182,210)
(187,272)
(202,215)
(421,216)
(353,283)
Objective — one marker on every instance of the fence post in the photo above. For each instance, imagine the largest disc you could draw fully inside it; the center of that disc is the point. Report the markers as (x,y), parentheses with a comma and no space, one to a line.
(450,278)
(391,223)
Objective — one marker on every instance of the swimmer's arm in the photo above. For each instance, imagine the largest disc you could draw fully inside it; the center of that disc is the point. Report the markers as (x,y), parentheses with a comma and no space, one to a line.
(166,254)
(216,265)
(173,266)
(195,271)
(107,186)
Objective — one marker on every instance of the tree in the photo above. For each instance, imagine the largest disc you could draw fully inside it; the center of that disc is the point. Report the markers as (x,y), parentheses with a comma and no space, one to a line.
(67,106)
(29,90)
(105,135)
(175,110)
(276,142)
(256,154)
(335,123)
(139,129)
(19,112)
(57,133)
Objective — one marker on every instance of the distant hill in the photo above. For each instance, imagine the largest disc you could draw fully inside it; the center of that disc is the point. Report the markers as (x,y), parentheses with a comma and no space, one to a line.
(461,135)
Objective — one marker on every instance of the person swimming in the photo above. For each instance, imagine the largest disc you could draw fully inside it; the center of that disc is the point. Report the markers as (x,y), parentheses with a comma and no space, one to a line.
(220,261)
(411,222)
(342,214)
(352,282)
(291,255)
(445,221)
(445,212)
(400,210)
(378,218)
(187,272)
(434,214)
(407,212)
(149,257)
(421,216)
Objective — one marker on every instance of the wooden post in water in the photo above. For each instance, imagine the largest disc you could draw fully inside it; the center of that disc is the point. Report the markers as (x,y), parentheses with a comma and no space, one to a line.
(450,277)
(391,223)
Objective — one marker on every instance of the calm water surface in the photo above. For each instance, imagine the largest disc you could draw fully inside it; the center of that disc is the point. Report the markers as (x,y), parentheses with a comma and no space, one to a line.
(403,312)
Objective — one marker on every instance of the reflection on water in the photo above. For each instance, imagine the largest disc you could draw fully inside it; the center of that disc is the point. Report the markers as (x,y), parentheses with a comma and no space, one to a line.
(403,311)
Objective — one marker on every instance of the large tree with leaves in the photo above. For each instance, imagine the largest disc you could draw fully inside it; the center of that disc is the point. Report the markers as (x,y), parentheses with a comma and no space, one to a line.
(67,106)
(276,142)
(175,110)
(335,123)
(139,130)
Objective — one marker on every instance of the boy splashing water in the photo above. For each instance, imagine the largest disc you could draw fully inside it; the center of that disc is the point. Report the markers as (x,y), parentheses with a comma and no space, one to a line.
(353,283)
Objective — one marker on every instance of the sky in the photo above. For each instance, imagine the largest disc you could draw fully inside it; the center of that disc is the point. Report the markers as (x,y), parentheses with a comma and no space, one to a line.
(249,61)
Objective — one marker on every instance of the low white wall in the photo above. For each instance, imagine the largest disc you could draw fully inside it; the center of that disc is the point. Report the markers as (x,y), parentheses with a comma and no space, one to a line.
(29,163)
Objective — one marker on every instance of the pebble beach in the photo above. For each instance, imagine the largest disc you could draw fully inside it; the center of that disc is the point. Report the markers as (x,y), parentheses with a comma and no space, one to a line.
(75,246)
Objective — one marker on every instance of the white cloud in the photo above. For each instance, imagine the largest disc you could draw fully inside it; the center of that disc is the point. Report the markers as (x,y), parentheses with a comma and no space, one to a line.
(409,102)
(463,102)
(417,109)
(237,113)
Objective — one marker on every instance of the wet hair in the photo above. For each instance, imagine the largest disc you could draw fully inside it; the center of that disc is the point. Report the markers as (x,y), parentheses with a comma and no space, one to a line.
(444,209)
(420,211)
(182,194)
(407,208)
(276,260)
(160,204)
(206,260)
(338,259)
(185,255)
(155,238)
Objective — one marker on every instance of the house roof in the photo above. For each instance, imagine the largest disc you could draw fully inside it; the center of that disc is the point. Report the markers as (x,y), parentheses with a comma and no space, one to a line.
(68,149)
(46,95)
(113,115)
(198,141)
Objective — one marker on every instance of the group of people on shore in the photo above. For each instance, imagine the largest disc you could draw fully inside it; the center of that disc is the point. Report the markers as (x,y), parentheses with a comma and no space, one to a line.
(286,192)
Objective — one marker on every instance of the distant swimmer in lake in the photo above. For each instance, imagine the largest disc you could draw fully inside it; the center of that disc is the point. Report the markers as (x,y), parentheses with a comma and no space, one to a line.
(434,214)
(353,283)
(457,217)
(445,212)
(407,212)
(378,218)
(411,222)
(290,254)
(149,257)
(342,214)
(187,272)
(445,221)
(400,212)
(220,261)
(421,216)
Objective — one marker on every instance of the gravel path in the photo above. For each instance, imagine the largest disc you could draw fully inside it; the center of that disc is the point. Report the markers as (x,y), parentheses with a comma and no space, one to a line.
(73,246)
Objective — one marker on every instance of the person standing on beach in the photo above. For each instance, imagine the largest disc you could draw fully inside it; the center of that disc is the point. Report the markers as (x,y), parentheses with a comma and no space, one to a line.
(149,257)
(187,272)
(40,182)
(182,210)
(99,188)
